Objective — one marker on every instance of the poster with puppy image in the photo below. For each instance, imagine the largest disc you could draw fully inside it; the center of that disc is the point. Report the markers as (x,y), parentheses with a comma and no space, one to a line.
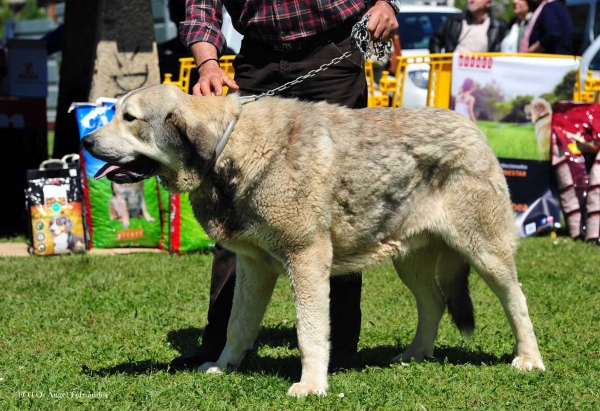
(511,98)
(118,215)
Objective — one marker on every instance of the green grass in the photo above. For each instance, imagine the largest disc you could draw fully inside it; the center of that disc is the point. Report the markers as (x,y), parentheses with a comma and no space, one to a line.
(50,143)
(111,325)
(510,140)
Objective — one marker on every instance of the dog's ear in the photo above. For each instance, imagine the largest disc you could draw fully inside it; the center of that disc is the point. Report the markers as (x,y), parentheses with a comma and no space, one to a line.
(197,139)
(69,223)
(541,108)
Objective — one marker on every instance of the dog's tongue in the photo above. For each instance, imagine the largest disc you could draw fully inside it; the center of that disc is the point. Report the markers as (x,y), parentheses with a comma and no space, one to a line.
(107,168)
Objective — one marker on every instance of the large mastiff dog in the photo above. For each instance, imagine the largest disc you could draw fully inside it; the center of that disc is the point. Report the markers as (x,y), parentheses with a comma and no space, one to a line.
(313,190)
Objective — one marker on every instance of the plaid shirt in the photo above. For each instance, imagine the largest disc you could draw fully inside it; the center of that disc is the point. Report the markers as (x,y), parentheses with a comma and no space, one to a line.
(265,21)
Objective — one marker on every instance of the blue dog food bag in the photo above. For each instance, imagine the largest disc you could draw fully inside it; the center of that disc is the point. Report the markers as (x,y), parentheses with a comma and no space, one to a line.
(117,215)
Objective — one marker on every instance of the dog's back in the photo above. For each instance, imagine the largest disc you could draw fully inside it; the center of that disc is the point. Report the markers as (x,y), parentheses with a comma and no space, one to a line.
(390,178)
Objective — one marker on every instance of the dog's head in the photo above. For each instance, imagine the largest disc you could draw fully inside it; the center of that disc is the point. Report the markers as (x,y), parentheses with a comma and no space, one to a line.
(160,130)
(538,108)
(60,225)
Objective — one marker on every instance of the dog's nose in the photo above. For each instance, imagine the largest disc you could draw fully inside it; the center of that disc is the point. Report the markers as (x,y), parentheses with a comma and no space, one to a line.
(88,142)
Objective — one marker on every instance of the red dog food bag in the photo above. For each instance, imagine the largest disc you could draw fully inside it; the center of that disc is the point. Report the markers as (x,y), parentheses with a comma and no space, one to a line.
(576,165)
(54,204)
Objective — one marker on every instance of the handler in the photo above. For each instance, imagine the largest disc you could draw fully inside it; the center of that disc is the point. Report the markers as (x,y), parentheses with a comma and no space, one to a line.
(283,40)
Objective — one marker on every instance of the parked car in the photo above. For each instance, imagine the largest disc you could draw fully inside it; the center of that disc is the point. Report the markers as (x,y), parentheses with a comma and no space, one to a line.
(417,24)
(586,26)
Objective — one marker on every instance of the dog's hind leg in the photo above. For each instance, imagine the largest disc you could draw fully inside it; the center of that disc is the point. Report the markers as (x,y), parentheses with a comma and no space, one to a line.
(254,286)
(418,272)
(482,229)
(496,266)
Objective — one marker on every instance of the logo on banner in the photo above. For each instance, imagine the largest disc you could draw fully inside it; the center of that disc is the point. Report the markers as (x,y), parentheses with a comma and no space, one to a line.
(474,61)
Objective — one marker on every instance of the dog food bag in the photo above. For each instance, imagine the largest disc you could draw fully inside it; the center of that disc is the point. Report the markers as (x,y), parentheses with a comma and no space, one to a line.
(118,215)
(186,233)
(576,165)
(164,198)
(54,203)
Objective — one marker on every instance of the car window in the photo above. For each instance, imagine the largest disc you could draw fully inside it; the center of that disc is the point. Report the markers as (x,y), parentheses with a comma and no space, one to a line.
(417,28)
(579,14)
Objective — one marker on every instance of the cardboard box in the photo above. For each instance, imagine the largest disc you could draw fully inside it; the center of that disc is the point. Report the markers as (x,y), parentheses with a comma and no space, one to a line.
(27,68)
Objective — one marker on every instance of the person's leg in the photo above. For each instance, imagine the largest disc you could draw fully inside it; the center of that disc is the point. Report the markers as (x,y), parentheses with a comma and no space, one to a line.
(344,84)
(223,275)
(221,296)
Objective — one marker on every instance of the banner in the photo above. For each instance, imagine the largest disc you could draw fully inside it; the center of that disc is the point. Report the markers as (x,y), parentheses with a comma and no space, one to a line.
(510,99)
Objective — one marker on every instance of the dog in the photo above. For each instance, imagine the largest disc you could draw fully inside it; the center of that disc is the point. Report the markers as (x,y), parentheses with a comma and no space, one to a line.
(539,111)
(312,190)
(128,201)
(64,239)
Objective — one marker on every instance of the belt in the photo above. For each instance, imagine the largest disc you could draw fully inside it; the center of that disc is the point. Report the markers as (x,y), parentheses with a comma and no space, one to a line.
(336,34)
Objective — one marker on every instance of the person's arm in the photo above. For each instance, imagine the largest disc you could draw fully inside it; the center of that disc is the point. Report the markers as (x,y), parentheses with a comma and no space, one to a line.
(535,48)
(471,103)
(201,33)
(382,24)
(551,26)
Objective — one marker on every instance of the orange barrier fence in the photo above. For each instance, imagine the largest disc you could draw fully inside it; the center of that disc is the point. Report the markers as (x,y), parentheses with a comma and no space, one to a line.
(391,88)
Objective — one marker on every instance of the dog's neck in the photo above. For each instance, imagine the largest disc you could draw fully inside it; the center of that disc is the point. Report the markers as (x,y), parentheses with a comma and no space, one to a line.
(542,116)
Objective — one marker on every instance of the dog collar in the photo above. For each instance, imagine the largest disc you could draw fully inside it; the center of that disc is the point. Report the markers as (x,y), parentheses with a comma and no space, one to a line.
(224,138)
(541,117)
(222,142)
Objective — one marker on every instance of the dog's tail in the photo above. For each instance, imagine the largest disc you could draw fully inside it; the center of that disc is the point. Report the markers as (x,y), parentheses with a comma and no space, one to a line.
(453,281)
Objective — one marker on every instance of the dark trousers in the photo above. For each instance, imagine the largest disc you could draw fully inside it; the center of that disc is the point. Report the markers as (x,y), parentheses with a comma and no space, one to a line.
(260,68)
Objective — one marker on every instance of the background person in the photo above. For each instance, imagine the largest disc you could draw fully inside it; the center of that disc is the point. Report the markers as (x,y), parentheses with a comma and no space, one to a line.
(277,48)
(523,10)
(549,30)
(476,30)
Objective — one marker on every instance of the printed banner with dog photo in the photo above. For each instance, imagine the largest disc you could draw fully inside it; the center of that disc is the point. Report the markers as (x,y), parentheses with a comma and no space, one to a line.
(118,215)
(511,98)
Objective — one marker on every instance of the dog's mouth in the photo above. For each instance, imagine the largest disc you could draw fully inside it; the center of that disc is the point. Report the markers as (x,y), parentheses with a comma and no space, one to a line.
(137,170)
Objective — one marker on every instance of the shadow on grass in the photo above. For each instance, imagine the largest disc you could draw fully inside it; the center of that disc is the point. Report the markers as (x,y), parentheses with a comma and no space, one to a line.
(186,340)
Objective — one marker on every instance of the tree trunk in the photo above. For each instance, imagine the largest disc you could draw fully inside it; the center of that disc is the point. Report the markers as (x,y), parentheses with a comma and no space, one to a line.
(110,51)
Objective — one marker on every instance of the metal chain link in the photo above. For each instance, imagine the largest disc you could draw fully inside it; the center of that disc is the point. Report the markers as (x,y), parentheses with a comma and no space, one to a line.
(361,41)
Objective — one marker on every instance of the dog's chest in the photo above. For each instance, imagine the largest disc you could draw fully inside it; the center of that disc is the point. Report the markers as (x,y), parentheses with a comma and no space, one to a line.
(61,243)
(219,216)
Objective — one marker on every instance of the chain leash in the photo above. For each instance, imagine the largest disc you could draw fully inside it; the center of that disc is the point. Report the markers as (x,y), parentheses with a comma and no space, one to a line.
(361,41)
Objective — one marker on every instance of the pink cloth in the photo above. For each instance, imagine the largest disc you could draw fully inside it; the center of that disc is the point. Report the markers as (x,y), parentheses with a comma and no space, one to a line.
(530,24)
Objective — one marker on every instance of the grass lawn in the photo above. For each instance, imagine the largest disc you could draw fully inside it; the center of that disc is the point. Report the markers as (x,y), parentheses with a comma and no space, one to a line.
(110,325)
(50,143)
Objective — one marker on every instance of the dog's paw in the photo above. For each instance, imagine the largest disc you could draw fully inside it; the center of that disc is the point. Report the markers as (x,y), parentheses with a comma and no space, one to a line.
(528,363)
(211,368)
(150,220)
(302,389)
(413,354)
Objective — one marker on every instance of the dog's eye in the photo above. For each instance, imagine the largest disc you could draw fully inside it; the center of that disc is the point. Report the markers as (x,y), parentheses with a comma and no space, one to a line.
(128,117)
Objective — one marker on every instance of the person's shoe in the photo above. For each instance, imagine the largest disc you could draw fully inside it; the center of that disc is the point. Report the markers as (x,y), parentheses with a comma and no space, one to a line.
(196,358)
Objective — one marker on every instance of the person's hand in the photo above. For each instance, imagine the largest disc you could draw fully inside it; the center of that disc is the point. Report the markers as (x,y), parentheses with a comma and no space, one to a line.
(535,48)
(382,24)
(211,80)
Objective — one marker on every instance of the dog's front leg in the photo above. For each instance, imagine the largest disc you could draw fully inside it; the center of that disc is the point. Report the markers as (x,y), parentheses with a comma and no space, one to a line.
(145,211)
(309,274)
(254,286)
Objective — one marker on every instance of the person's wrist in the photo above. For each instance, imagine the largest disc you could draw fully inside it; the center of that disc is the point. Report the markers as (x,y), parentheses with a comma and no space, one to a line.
(394,4)
(208,62)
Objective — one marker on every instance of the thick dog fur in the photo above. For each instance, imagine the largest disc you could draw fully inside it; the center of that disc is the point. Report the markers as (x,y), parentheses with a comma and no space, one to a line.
(313,190)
